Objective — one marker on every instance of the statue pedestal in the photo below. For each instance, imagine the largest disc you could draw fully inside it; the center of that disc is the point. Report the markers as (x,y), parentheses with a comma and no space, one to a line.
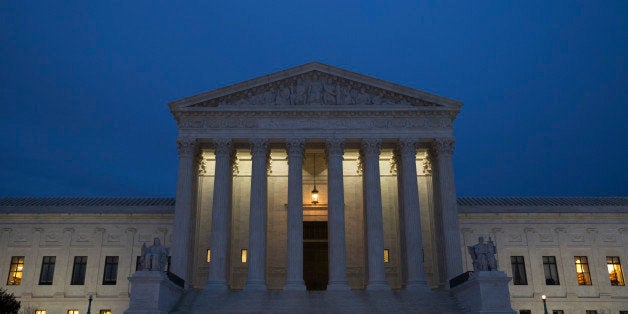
(152,293)
(485,292)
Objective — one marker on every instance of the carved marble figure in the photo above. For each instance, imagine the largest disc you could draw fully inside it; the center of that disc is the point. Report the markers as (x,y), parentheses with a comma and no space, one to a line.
(483,255)
(154,257)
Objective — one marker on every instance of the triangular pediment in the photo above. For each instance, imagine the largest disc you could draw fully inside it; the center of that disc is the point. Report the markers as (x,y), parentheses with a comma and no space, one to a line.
(314,84)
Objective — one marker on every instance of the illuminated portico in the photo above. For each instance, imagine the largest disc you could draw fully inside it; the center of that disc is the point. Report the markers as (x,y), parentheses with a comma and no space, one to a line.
(250,141)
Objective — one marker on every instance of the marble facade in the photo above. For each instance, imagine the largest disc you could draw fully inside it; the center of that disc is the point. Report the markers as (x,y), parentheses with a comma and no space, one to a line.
(379,154)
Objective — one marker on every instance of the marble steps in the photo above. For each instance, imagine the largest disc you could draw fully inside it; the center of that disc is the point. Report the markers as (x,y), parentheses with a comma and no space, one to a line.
(356,301)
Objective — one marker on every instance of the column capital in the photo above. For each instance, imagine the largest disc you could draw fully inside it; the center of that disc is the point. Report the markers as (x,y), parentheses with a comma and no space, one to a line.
(259,146)
(444,146)
(295,146)
(186,146)
(371,146)
(222,146)
(407,146)
(334,146)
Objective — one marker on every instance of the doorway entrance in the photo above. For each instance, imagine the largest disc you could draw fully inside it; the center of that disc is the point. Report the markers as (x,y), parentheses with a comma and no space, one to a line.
(315,258)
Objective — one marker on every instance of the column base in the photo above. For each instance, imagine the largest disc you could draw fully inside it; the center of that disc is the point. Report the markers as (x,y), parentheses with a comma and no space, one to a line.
(378,286)
(338,286)
(255,286)
(295,286)
(216,285)
(417,286)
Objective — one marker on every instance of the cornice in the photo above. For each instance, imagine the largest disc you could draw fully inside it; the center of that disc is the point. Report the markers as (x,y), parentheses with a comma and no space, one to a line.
(315,83)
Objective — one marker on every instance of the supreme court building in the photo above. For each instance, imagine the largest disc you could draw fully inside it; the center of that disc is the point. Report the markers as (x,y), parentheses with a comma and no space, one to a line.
(318,178)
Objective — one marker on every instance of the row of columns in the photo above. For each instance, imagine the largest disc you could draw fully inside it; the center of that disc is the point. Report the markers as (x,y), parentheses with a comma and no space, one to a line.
(370,150)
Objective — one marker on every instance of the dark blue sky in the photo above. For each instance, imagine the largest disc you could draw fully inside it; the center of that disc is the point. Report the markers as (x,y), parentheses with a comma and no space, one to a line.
(84,85)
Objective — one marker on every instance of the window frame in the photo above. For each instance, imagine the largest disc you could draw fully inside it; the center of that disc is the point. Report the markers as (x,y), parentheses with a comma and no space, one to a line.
(550,267)
(79,270)
(47,272)
(517,267)
(615,263)
(584,273)
(16,271)
(110,273)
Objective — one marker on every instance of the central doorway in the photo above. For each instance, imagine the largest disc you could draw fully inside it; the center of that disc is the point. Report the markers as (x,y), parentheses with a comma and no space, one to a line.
(315,255)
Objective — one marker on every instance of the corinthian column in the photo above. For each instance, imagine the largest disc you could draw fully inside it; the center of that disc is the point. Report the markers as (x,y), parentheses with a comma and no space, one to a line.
(221,217)
(294,280)
(373,216)
(413,244)
(446,205)
(256,277)
(336,210)
(181,250)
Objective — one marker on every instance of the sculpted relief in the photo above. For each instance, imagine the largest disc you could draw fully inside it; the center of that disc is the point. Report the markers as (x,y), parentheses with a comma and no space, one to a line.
(314,88)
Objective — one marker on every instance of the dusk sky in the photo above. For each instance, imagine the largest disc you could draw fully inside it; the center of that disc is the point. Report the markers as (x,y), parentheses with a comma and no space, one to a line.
(84,85)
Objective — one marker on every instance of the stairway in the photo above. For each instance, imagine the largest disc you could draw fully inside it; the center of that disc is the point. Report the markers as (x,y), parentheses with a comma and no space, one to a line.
(355,301)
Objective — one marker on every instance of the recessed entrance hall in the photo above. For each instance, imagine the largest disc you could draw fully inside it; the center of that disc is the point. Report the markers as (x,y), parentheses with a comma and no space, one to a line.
(315,255)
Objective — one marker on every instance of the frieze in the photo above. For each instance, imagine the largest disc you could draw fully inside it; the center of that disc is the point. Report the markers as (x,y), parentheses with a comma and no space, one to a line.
(314,88)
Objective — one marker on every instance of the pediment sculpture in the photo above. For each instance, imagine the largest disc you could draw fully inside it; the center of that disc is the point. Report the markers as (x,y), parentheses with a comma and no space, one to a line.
(314,88)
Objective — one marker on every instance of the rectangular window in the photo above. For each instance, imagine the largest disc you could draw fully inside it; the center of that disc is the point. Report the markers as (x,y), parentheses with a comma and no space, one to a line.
(47,270)
(386,256)
(15,271)
(525,312)
(110,275)
(518,270)
(582,270)
(591,312)
(74,312)
(558,312)
(78,271)
(40,311)
(105,311)
(209,255)
(243,255)
(614,271)
(551,270)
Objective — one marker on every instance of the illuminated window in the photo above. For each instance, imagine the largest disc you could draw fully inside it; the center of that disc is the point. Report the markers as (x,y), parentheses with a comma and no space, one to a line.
(209,256)
(243,254)
(582,270)
(386,256)
(78,271)
(40,311)
(47,270)
(105,311)
(110,276)
(614,271)
(518,270)
(551,270)
(74,312)
(15,271)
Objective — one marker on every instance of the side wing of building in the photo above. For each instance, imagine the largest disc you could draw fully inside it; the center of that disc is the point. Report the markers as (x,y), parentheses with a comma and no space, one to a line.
(56,252)
(573,250)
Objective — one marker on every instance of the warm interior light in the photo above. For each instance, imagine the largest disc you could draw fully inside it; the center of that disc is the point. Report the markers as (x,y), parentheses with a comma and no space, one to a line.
(243,254)
(386,255)
(543,297)
(314,195)
(209,256)
(314,191)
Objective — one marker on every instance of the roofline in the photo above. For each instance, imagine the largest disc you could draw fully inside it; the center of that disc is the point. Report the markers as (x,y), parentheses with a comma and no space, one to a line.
(313,66)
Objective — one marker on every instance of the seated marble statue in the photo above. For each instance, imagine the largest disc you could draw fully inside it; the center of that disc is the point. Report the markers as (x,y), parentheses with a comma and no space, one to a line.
(483,255)
(154,257)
